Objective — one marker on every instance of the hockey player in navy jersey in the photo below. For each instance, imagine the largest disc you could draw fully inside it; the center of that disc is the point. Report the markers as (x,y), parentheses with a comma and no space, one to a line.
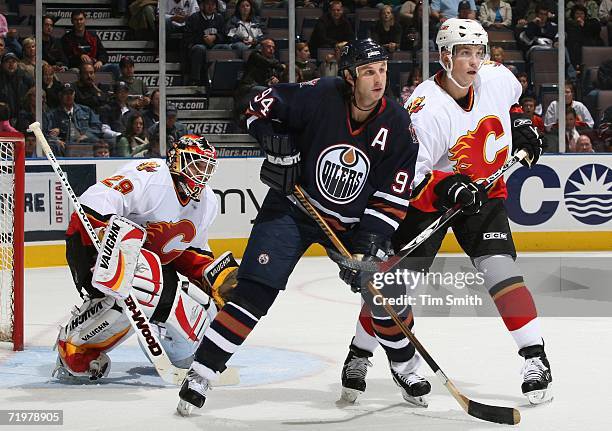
(462,118)
(351,150)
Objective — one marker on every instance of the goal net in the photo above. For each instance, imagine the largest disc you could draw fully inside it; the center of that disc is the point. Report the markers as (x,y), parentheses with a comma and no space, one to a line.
(12,177)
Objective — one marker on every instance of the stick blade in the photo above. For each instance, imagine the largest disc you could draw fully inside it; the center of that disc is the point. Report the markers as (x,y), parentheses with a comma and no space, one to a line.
(499,415)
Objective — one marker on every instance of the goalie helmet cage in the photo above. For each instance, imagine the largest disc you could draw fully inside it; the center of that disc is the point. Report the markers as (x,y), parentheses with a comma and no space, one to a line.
(12,194)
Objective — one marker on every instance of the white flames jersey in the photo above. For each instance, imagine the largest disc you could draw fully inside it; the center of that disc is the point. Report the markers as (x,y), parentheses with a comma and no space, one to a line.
(143,192)
(475,140)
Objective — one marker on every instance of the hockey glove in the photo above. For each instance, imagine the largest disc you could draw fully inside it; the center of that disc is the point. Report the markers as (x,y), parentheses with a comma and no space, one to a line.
(525,136)
(459,189)
(366,247)
(281,168)
(220,278)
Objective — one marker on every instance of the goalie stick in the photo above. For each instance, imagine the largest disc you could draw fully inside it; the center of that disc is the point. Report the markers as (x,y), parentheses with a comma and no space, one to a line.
(496,414)
(139,321)
(438,223)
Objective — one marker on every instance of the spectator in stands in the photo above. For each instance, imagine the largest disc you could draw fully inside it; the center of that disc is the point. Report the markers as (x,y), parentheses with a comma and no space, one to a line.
(137,87)
(174,130)
(51,85)
(497,54)
(331,28)
(262,70)
(11,41)
(142,19)
(177,12)
(203,31)
(116,114)
(30,145)
(581,111)
(52,49)
(525,11)
(5,125)
(414,80)
(528,103)
(2,46)
(308,68)
(386,31)
(28,62)
(101,149)
(541,31)
(329,65)
(581,31)
(571,134)
(27,114)
(465,10)
(604,132)
(134,142)
(244,29)
(591,7)
(14,83)
(406,12)
(412,29)
(441,10)
(495,14)
(87,92)
(151,113)
(72,123)
(584,145)
(82,46)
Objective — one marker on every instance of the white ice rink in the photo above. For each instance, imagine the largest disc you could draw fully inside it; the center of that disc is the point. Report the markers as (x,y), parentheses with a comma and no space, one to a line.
(290,370)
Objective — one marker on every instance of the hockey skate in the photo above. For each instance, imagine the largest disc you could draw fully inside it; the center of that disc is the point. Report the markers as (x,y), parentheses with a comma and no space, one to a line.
(537,378)
(413,387)
(192,393)
(354,373)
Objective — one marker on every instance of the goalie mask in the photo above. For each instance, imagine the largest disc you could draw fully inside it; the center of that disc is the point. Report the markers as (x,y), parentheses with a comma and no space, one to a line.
(192,161)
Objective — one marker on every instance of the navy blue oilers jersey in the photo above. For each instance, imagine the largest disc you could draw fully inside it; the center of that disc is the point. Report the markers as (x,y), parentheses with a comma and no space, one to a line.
(358,176)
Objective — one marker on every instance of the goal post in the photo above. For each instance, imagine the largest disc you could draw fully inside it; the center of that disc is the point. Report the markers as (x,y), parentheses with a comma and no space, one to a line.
(12,195)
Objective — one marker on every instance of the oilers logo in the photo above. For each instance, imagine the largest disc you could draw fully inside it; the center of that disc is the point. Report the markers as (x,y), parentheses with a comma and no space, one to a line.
(342,171)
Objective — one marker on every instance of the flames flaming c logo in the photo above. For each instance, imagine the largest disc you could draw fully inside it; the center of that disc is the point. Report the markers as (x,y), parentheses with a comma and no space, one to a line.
(163,238)
(469,152)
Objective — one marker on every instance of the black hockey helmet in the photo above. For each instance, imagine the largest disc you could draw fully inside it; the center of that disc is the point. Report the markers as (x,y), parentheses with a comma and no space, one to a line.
(359,52)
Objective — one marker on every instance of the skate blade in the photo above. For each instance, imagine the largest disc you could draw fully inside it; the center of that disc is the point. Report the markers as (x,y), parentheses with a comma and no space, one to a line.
(540,396)
(349,395)
(184,408)
(415,401)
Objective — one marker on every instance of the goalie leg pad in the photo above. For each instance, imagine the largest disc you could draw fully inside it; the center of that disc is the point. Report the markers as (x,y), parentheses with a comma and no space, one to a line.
(118,257)
(96,327)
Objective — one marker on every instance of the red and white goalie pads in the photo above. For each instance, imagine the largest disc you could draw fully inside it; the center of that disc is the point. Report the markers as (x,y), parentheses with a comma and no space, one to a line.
(118,257)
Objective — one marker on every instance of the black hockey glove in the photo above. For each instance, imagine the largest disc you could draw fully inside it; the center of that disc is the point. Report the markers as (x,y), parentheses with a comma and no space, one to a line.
(366,247)
(525,136)
(459,189)
(281,168)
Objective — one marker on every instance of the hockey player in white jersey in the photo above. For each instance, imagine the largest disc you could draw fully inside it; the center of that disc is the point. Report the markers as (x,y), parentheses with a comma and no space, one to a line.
(173,204)
(463,121)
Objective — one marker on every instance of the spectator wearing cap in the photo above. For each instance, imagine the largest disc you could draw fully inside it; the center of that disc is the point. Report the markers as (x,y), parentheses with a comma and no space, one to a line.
(331,28)
(14,83)
(83,46)
(52,49)
(137,87)
(71,123)
(441,10)
(244,28)
(204,30)
(177,12)
(51,85)
(87,92)
(174,131)
(116,114)
(495,14)
(465,11)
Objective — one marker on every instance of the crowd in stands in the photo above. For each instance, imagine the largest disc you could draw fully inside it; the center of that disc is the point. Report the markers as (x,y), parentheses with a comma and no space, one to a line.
(121,117)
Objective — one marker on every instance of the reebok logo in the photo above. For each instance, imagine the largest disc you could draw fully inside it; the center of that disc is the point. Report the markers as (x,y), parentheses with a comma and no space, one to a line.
(520,122)
(495,235)
(111,239)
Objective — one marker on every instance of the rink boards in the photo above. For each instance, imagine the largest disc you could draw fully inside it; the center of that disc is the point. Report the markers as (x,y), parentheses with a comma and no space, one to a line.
(563,203)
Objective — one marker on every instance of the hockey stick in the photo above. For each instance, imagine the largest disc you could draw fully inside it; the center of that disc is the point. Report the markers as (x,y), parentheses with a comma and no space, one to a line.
(438,223)
(497,414)
(139,321)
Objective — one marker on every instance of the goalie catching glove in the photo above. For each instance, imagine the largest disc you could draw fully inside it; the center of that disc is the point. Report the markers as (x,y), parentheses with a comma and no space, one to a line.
(525,136)
(220,278)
